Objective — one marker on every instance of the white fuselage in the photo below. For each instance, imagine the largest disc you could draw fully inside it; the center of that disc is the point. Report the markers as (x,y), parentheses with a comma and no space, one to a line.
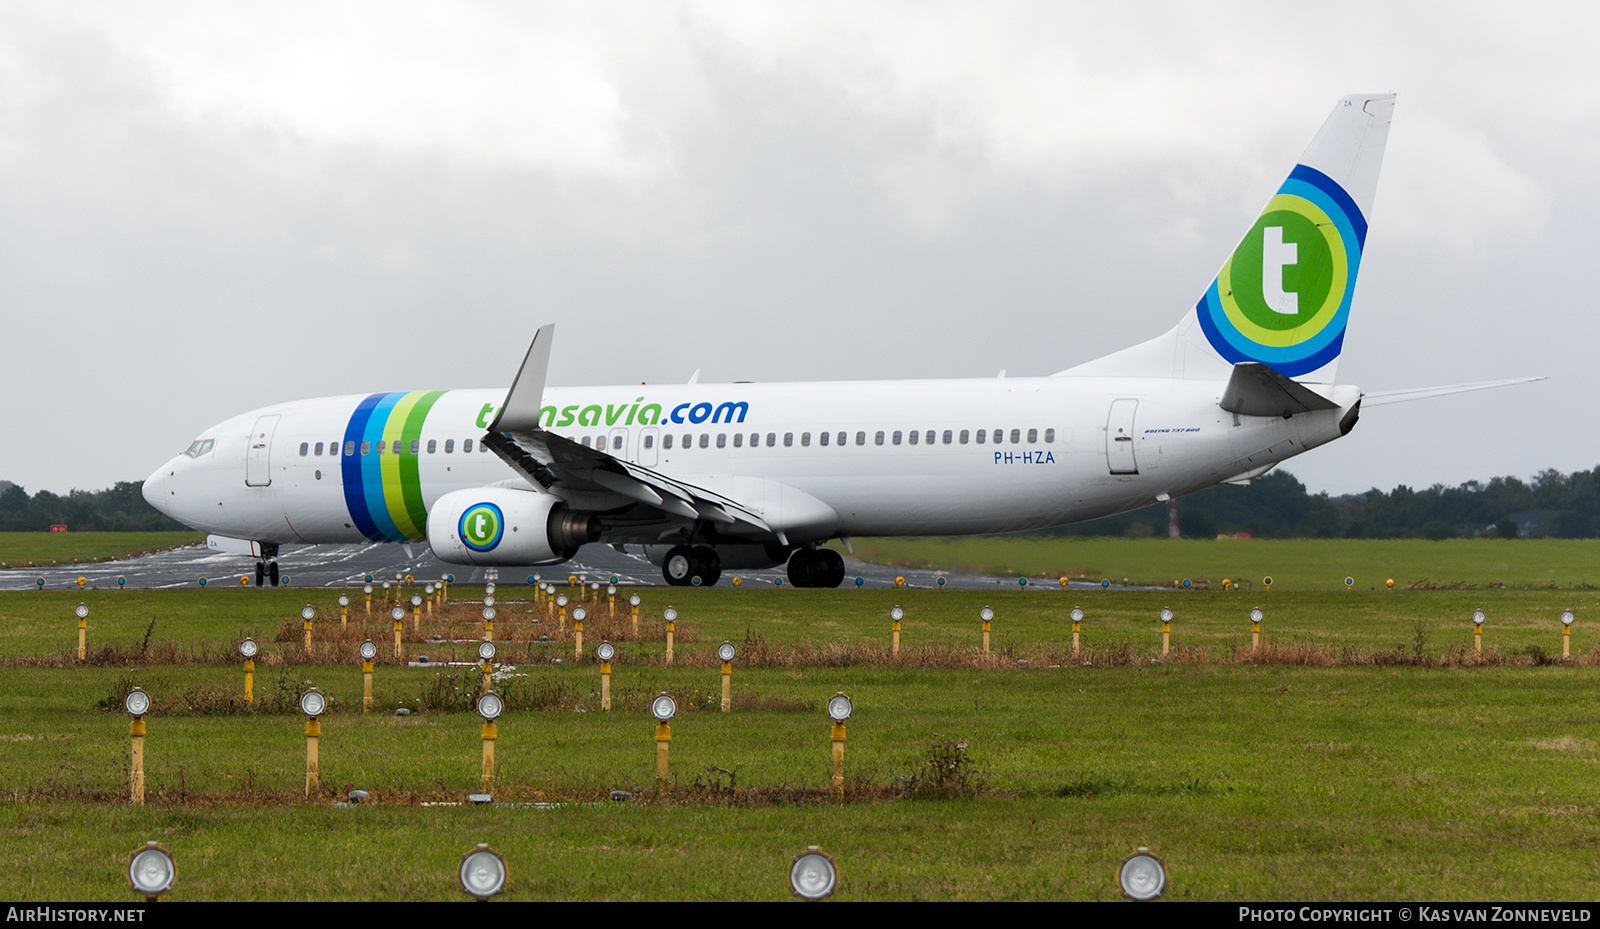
(1055,461)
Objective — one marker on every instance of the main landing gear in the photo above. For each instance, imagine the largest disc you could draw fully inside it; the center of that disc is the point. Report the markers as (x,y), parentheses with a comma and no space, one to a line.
(820,567)
(685,564)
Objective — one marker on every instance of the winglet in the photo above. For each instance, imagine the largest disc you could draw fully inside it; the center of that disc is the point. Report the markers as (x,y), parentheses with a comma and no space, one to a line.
(520,412)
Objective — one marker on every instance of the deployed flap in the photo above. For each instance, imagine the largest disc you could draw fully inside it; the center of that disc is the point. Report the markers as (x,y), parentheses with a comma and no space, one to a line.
(1422,393)
(1256,390)
(520,412)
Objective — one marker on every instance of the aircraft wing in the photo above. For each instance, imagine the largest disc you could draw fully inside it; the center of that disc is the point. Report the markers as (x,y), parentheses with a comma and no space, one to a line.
(568,469)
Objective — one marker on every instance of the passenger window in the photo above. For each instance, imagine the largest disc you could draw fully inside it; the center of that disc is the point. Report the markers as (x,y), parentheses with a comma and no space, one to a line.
(349,448)
(772,439)
(738,440)
(586,441)
(947,437)
(366,448)
(449,446)
(980,436)
(861,439)
(600,442)
(1049,435)
(805,439)
(1033,436)
(466,446)
(914,435)
(788,440)
(1016,436)
(722,440)
(416,446)
(333,448)
(841,438)
(317,450)
(666,440)
(380,447)
(755,439)
(963,437)
(305,449)
(649,440)
(705,440)
(433,446)
(824,438)
(878,439)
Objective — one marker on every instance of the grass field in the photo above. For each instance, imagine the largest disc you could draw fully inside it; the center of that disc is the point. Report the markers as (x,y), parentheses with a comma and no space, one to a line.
(1293,564)
(32,549)
(1365,752)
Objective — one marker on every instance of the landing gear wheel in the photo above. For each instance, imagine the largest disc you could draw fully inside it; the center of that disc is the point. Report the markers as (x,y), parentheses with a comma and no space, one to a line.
(261,573)
(804,568)
(272,572)
(679,566)
(708,565)
(830,568)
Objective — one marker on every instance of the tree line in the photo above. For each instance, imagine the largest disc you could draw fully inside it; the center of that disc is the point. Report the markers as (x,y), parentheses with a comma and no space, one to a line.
(1274,506)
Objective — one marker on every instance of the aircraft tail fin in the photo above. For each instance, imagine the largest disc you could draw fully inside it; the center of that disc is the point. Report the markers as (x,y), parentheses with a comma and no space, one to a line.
(1283,297)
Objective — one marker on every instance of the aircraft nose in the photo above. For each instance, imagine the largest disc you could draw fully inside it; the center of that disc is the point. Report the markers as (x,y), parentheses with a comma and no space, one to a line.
(155,490)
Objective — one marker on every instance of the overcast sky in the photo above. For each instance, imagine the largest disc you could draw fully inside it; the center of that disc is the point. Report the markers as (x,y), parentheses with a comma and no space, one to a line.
(206,208)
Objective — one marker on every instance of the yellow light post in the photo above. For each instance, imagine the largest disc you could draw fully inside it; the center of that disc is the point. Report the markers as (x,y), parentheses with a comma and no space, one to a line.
(1166,631)
(486,653)
(538,588)
(248,649)
(368,652)
(633,601)
(561,604)
(671,616)
(611,601)
(895,615)
(444,595)
(987,615)
(488,624)
(151,871)
(83,631)
(427,591)
(839,710)
(308,614)
(490,706)
(367,589)
(663,708)
(1077,624)
(399,617)
(385,591)
(137,704)
(726,651)
(344,612)
(416,613)
(605,653)
(1566,633)
(1255,628)
(1477,630)
(313,704)
(578,614)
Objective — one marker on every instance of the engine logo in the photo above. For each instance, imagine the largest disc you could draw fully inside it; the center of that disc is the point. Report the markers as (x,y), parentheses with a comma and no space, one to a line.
(481,527)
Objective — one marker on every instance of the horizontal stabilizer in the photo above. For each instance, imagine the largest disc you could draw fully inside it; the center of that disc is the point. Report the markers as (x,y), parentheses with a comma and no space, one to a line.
(1423,393)
(1256,390)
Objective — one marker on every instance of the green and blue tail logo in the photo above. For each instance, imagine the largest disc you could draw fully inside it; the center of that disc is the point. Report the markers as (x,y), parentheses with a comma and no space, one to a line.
(1283,297)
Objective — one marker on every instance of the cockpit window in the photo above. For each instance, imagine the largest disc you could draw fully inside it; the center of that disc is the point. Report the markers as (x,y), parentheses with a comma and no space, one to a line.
(200,447)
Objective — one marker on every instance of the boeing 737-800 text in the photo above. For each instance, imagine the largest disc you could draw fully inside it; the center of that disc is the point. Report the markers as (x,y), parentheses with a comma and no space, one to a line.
(713,476)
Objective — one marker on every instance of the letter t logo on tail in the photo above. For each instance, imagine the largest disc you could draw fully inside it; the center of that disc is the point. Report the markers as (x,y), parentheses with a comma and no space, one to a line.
(1275,256)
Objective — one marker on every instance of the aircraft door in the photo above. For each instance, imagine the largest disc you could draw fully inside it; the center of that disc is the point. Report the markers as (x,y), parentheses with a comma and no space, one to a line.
(619,445)
(649,440)
(1119,437)
(258,454)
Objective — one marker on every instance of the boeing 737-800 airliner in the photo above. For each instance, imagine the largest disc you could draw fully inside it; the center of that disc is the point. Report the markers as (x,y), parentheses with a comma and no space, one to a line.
(713,476)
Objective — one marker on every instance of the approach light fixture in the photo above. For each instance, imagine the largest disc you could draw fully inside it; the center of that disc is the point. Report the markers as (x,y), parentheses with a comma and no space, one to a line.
(82,611)
(485,651)
(1143,876)
(488,614)
(606,651)
(343,600)
(488,590)
(725,651)
(490,706)
(1477,617)
(670,615)
(482,873)
(416,599)
(488,601)
(1166,615)
(840,707)
(663,708)
(633,600)
(986,614)
(307,613)
(366,589)
(611,590)
(137,702)
(313,703)
(1256,615)
(897,614)
(397,614)
(151,870)
(248,648)
(812,875)
(1566,617)
(368,651)
(579,614)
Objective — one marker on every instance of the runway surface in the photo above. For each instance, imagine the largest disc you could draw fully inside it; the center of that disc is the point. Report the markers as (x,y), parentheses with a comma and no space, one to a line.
(348,565)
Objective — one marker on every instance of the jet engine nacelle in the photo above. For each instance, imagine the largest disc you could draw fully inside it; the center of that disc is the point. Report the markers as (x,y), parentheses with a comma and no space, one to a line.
(505,526)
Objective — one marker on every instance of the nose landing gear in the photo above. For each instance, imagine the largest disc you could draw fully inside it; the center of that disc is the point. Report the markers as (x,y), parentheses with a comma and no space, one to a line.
(266,571)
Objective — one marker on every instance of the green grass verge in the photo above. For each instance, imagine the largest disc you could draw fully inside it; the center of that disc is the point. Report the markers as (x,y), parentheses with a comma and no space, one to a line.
(1293,564)
(33,549)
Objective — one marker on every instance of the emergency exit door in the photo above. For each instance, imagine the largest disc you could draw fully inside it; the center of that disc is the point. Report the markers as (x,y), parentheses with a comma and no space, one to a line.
(1120,455)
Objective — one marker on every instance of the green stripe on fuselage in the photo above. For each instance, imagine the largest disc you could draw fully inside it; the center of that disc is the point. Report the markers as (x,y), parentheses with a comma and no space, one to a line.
(410,471)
